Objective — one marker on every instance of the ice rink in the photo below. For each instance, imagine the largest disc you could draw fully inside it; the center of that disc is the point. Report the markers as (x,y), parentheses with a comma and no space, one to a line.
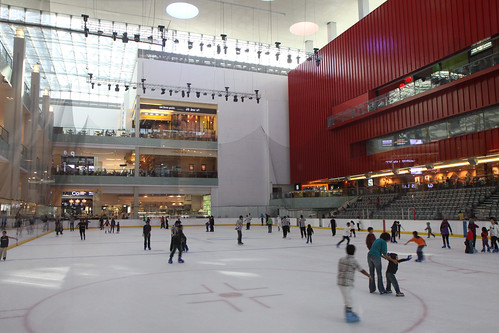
(108,283)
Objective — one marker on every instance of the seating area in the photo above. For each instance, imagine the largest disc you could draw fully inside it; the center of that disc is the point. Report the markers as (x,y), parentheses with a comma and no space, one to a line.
(483,201)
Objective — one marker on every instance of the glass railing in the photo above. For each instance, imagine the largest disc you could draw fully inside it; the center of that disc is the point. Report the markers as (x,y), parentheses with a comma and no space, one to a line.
(150,134)
(4,134)
(92,131)
(414,88)
(180,135)
(130,173)
(27,98)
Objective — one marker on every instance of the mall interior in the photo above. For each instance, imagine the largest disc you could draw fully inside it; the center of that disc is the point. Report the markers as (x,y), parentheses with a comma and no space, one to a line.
(393,114)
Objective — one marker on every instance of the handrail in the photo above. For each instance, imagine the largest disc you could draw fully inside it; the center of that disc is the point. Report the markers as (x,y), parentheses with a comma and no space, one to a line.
(419,86)
(4,134)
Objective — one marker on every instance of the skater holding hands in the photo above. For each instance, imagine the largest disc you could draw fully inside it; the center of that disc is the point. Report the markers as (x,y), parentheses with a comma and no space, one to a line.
(346,270)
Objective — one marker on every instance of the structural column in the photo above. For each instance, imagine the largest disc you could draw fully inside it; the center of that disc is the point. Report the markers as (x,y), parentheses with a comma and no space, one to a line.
(15,120)
(135,206)
(31,138)
(363,8)
(45,146)
(332,32)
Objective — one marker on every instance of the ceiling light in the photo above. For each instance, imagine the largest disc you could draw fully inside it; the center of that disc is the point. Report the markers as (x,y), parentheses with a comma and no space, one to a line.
(445,166)
(303,28)
(487,160)
(182,10)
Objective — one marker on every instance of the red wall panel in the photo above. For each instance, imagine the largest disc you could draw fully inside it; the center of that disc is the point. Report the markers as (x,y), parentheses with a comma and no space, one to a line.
(393,41)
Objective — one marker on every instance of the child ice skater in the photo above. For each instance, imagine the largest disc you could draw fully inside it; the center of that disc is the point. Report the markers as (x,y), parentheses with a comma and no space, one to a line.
(346,270)
(485,240)
(391,270)
(310,232)
(346,235)
(469,241)
(352,229)
(4,244)
(428,227)
(421,244)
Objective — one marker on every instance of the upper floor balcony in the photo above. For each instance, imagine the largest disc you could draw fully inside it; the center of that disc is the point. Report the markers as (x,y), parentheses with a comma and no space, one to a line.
(146,138)
(413,86)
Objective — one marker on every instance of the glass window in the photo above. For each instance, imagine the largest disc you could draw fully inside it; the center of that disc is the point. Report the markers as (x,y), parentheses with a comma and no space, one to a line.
(491,118)
(438,131)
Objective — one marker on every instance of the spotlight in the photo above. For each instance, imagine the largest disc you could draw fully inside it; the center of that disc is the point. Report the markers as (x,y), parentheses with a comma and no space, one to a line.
(189,45)
(150,38)
(205,93)
(134,87)
(218,49)
(109,86)
(224,37)
(170,91)
(242,99)
(235,98)
(86,31)
(85,17)
(183,94)
(153,89)
(90,75)
(259,54)
(256,92)
(208,45)
(163,90)
(238,50)
(176,41)
(277,56)
(258,101)
(163,42)
(115,34)
(124,37)
(267,52)
(219,94)
(136,37)
(226,97)
(198,94)
(161,28)
(297,59)
(318,62)
(316,51)
(117,88)
(93,85)
(289,59)
(127,88)
(201,46)
(278,45)
(247,50)
(225,49)
(213,96)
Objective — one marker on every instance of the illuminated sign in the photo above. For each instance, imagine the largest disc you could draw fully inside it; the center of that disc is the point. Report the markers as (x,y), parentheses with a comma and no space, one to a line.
(177,108)
(416,141)
(401,142)
(481,48)
(416,171)
(386,143)
(77,194)
(370,182)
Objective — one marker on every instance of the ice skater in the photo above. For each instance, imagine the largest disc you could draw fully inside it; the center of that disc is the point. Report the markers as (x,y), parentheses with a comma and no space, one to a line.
(378,250)
(332,224)
(493,234)
(248,221)
(4,244)
(285,226)
(469,241)
(485,239)
(421,244)
(346,273)
(391,270)
(394,229)
(310,232)
(82,226)
(118,227)
(346,235)
(146,232)
(444,231)
(302,226)
(176,244)
(428,227)
(352,229)
(239,229)
(370,238)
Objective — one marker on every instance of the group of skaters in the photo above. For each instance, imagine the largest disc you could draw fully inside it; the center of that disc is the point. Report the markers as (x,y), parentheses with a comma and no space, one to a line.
(283,223)
(109,226)
(178,240)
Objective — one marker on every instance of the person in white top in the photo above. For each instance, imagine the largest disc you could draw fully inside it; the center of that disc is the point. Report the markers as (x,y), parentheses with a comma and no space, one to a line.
(248,221)
(303,226)
(346,235)
(285,226)
(493,234)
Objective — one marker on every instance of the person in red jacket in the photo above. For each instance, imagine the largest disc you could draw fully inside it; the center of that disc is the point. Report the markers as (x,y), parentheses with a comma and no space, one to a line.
(469,241)
(370,238)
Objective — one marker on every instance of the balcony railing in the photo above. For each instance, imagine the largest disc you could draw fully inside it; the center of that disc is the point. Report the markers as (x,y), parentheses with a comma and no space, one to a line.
(5,62)
(4,134)
(419,86)
(150,134)
(131,173)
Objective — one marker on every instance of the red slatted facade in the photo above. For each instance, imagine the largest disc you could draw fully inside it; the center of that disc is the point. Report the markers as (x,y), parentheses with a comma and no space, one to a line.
(393,41)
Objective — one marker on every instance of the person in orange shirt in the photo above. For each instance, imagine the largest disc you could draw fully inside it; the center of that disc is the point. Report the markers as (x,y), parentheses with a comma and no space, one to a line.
(420,242)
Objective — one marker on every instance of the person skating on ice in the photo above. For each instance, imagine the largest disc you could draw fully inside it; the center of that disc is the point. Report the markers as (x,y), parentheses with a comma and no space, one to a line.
(346,235)
(346,273)
(146,232)
(302,226)
(421,244)
(391,270)
(176,244)
(239,229)
(4,244)
(310,232)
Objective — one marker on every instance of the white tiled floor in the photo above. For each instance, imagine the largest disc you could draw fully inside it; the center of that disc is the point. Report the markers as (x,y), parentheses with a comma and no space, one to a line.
(108,283)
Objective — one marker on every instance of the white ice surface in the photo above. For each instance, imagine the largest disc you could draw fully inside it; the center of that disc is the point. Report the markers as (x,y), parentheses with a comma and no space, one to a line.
(108,283)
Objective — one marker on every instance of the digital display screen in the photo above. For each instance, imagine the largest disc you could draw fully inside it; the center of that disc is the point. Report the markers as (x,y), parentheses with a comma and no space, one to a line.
(416,141)
(386,143)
